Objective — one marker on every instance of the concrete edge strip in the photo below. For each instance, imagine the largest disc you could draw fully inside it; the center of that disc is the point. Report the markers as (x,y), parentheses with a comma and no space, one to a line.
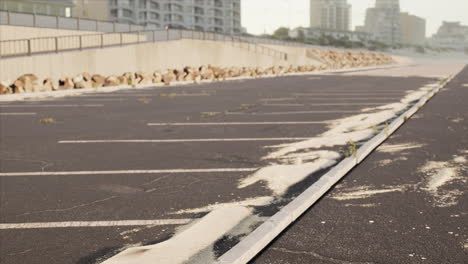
(75,92)
(181,247)
(256,241)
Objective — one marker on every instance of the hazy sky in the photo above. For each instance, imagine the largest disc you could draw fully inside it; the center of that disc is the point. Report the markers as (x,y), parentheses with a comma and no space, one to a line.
(260,16)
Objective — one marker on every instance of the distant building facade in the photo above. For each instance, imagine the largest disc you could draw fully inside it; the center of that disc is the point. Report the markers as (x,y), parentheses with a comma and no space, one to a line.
(384,22)
(316,33)
(92,9)
(330,14)
(222,16)
(41,7)
(452,35)
(413,29)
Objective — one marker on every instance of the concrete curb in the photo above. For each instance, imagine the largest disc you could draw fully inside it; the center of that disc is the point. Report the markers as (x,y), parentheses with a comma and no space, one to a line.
(187,244)
(255,242)
(74,92)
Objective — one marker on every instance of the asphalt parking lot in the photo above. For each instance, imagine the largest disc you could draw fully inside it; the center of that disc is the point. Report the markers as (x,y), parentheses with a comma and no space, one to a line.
(112,170)
(406,203)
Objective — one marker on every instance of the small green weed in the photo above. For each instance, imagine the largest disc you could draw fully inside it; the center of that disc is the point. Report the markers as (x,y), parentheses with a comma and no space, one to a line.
(210,114)
(47,121)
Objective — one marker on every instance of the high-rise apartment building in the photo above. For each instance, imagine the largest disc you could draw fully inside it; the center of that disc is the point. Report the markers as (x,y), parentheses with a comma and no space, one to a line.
(330,14)
(384,21)
(209,15)
(413,29)
(41,7)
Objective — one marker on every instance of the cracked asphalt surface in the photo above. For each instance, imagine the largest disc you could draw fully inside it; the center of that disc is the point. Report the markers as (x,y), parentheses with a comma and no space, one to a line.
(26,145)
(406,203)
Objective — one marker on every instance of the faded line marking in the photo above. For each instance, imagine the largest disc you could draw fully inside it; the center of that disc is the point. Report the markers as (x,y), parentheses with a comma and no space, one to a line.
(370,93)
(104,99)
(178,140)
(17,114)
(350,98)
(174,171)
(238,123)
(324,104)
(295,112)
(63,105)
(157,222)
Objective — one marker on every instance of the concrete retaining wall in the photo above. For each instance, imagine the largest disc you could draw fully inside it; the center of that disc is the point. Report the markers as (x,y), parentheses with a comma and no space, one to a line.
(142,57)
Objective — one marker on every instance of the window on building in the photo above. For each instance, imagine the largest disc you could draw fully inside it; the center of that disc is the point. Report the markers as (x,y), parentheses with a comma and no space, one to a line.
(154,16)
(154,5)
(126,13)
(114,13)
(68,12)
(126,2)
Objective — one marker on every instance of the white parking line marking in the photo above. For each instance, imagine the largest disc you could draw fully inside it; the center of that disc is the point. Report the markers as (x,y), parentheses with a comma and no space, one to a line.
(104,99)
(74,173)
(277,99)
(238,123)
(17,114)
(57,105)
(325,104)
(157,222)
(284,104)
(309,98)
(347,93)
(296,112)
(179,140)
(118,95)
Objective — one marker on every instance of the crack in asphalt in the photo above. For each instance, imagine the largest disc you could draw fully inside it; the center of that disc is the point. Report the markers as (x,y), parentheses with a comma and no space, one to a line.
(318,256)
(67,209)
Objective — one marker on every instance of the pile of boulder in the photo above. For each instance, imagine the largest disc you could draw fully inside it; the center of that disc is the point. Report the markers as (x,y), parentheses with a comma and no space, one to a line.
(29,83)
(336,59)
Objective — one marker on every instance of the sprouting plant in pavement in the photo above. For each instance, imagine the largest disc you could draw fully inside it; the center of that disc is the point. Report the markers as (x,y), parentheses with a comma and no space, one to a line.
(387,130)
(375,130)
(47,121)
(171,95)
(352,149)
(209,114)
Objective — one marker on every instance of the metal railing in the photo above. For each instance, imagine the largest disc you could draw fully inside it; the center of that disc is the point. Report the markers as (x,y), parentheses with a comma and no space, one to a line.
(68,23)
(28,47)
(71,23)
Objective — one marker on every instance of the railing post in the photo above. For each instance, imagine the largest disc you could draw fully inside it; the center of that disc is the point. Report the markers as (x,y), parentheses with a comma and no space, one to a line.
(113,27)
(121,39)
(29,47)
(78,23)
(56,44)
(81,42)
(34,20)
(154,35)
(102,41)
(57,22)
